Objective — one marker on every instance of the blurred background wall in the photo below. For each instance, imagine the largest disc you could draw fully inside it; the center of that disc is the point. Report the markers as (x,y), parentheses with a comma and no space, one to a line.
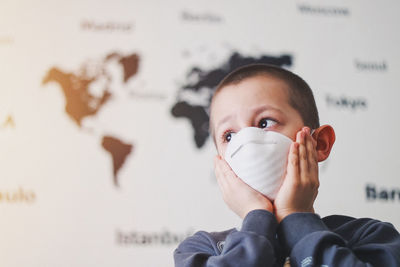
(105,159)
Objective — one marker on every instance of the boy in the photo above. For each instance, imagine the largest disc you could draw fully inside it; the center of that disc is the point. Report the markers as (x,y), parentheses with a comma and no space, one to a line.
(284,223)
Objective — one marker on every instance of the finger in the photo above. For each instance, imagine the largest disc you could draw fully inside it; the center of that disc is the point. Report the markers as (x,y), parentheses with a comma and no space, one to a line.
(311,151)
(314,144)
(222,189)
(219,174)
(228,177)
(298,136)
(312,164)
(293,163)
(303,157)
(220,185)
(225,168)
(311,148)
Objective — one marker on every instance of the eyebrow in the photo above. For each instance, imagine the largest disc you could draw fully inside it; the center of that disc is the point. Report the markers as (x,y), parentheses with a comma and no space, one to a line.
(225,119)
(256,110)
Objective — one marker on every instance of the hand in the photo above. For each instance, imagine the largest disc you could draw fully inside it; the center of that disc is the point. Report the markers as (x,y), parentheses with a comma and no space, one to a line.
(239,196)
(300,186)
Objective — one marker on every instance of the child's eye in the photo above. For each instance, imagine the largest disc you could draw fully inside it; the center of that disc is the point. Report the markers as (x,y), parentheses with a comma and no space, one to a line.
(228,136)
(266,123)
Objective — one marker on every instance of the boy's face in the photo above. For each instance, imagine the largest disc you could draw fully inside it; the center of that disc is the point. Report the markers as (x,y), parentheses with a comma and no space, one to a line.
(260,101)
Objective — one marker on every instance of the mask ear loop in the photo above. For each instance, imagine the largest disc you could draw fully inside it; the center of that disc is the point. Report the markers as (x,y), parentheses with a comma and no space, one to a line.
(312,132)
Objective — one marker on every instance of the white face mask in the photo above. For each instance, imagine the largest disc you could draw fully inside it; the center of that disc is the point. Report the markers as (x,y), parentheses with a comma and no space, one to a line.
(259,158)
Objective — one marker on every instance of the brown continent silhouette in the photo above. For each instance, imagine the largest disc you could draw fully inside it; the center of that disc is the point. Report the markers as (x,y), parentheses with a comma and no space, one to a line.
(119,152)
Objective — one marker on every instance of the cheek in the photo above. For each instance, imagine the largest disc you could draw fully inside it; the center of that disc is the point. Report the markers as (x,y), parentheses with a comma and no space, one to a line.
(291,133)
(293,136)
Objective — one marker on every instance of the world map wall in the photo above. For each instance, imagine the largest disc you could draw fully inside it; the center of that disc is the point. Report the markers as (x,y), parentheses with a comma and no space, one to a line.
(105,155)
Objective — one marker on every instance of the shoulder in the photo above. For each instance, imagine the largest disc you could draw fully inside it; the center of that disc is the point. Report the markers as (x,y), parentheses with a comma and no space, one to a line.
(343,221)
(351,228)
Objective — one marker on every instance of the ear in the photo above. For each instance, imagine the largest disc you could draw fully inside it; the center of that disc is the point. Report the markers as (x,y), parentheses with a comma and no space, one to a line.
(325,137)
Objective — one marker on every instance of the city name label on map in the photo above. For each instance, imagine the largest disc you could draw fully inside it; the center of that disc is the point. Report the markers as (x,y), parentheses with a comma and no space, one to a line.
(385,194)
(19,195)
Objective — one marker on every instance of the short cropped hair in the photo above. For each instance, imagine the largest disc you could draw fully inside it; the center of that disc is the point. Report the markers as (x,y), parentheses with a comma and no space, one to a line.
(300,94)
